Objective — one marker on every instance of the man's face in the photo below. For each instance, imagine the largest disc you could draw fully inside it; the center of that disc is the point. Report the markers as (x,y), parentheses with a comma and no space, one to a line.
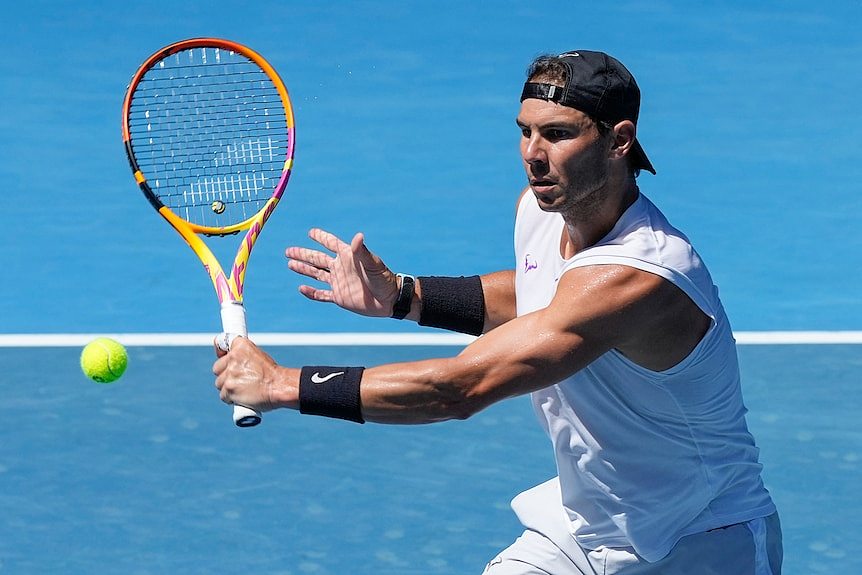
(565,157)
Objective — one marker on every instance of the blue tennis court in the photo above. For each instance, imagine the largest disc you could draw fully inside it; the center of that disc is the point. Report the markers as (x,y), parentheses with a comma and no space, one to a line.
(149,476)
(405,131)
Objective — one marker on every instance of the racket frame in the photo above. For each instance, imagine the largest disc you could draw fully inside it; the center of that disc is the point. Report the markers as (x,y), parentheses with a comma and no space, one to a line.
(229,289)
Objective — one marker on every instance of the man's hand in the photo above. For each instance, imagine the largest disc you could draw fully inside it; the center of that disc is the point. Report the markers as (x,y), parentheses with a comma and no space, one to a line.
(248,376)
(357,279)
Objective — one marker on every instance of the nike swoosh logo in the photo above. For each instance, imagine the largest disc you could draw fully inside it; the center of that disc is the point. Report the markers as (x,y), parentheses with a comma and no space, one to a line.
(316,377)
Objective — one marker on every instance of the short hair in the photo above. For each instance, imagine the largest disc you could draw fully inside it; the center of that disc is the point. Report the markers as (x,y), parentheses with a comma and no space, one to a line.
(549,68)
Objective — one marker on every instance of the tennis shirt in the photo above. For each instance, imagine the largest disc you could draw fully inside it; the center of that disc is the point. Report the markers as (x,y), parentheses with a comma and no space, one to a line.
(644,458)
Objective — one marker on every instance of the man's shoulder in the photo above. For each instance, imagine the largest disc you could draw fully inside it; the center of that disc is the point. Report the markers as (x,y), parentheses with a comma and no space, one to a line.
(649,319)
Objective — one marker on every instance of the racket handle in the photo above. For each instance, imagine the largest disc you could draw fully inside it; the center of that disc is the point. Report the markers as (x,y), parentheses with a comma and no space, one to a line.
(233,325)
(245,416)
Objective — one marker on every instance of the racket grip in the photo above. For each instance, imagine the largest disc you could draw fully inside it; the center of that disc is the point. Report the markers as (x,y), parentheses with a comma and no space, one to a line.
(233,325)
(245,416)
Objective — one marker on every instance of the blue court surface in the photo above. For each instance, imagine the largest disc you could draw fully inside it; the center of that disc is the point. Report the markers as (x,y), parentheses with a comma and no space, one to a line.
(149,476)
(405,131)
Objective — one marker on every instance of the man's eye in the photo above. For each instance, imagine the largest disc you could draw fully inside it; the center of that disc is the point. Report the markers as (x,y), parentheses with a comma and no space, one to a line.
(557,134)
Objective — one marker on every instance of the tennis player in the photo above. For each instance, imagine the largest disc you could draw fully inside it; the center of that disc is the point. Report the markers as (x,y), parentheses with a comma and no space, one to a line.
(609,319)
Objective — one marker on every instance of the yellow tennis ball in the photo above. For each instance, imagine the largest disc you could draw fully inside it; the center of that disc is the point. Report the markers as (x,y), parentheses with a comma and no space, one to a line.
(104,360)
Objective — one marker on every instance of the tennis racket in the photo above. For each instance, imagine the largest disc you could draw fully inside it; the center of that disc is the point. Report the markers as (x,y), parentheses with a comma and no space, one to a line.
(208,129)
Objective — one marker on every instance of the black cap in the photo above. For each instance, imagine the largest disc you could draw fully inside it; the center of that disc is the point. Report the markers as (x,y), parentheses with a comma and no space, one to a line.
(601,87)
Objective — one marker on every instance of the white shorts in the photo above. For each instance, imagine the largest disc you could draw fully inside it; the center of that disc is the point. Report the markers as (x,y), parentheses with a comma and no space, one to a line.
(751,548)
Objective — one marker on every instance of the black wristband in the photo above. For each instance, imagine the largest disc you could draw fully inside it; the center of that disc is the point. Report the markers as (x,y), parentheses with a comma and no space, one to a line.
(405,297)
(456,304)
(331,392)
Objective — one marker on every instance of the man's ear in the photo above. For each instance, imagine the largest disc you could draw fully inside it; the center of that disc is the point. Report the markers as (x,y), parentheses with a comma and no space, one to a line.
(624,137)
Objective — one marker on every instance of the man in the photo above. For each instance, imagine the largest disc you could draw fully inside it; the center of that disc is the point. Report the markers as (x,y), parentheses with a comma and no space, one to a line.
(610,320)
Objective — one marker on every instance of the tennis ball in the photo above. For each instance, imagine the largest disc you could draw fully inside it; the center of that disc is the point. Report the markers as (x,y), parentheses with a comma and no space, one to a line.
(104,360)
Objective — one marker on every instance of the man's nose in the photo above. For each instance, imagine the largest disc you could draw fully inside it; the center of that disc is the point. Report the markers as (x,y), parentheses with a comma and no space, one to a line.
(533,151)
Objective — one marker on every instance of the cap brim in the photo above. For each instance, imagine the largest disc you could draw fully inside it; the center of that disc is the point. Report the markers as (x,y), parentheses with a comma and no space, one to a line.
(640,158)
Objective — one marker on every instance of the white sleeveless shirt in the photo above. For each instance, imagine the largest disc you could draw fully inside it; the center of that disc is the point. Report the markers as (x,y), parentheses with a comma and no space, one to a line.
(644,458)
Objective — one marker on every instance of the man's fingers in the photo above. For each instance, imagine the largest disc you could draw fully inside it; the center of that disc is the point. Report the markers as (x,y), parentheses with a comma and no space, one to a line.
(316,294)
(327,240)
(310,257)
(310,271)
(357,245)
(217,346)
(221,363)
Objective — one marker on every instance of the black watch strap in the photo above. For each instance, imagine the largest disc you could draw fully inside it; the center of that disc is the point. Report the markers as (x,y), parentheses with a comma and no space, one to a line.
(405,296)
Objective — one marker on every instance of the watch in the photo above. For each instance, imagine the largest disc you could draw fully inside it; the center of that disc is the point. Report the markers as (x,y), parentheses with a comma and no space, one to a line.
(405,296)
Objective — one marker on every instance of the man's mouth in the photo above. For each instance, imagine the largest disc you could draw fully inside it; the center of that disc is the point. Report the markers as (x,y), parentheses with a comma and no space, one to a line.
(541,186)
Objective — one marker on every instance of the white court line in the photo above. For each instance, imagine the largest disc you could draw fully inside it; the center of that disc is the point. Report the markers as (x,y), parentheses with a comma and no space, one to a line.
(797,337)
(206,339)
(373,339)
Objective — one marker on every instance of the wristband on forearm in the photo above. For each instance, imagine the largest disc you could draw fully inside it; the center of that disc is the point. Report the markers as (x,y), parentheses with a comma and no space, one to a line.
(331,392)
(453,303)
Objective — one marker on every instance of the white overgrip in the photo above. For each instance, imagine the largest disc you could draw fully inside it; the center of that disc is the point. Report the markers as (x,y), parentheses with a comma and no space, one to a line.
(233,319)
(234,326)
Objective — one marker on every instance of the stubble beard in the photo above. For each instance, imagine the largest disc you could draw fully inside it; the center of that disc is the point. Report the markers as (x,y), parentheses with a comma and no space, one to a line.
(585,195)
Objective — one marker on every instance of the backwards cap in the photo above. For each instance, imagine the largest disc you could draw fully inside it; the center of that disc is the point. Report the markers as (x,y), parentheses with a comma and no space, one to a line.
(599,86)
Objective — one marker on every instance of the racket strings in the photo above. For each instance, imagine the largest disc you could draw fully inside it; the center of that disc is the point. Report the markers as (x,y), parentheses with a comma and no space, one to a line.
(209,132)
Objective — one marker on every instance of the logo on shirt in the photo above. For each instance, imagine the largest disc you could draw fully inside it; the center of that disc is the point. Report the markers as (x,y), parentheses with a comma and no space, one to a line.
(529,264)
